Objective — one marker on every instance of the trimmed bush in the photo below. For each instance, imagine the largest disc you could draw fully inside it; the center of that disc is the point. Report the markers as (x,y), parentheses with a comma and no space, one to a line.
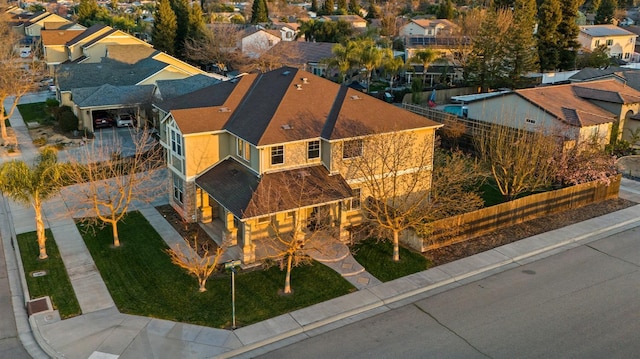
(66,119)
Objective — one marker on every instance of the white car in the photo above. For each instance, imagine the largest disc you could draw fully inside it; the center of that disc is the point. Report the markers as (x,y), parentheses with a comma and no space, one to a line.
(125,120)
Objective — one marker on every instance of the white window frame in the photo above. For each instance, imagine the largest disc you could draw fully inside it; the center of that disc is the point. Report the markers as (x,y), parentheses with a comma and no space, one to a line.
(178,192)
(243,149)
(314,149)
(176,142)
(277,151)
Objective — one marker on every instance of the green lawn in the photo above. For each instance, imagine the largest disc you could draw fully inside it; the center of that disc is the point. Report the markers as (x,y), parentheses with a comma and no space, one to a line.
(143,281)
(34,112)
(377,258)
(56,283)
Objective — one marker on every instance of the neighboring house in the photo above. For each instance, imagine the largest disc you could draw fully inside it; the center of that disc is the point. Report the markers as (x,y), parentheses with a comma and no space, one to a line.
(54,48)
(49,21)
(92,44)
(234,146)
(356,22)
(256,40)
(124,66)
(288,30)
(620,42)
(304,55)
(429,28)
(576,112)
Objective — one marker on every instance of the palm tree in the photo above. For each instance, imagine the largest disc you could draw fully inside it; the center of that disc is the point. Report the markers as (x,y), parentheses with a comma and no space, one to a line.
(425,57)
(392,66)
(343,59)
(369,56)
(32,186)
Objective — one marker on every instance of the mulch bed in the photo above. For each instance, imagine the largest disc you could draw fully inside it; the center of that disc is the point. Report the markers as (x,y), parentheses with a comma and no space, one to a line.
(188,231)
(524,230)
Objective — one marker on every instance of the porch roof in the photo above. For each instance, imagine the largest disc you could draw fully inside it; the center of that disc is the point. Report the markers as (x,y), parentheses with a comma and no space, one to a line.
(246,195)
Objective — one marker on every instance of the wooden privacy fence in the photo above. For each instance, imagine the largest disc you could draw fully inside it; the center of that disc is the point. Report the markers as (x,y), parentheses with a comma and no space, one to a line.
(473,224)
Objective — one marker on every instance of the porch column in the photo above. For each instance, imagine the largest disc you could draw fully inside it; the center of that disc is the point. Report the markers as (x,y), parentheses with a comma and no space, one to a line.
(206,213)
(248,248)
(231,233)
(343,233)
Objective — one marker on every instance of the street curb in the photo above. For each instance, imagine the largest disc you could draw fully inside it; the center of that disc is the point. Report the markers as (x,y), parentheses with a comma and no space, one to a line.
(304,329)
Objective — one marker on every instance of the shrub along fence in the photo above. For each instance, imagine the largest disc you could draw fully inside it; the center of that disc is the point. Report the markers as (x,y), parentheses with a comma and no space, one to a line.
(473,224)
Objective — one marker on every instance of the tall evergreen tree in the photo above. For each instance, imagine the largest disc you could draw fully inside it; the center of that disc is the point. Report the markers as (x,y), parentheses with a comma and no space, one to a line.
(568,31)
(486,65)
(314,6)
(549,18)
(181,9)
(86,11)
(259,12)
(354,7)
(164,28)
(522,55)
(327,7)
(445,10)
(342,6)
(196,28)
(605,12)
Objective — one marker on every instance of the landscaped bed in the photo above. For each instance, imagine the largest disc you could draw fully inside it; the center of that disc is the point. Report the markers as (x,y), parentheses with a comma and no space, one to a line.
(143,281)
(55,283)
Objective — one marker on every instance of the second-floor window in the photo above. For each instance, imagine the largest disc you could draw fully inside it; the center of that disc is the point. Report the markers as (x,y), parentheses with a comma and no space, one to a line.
(313,149)
(609,42)
(597,43)
(277,155)
(355,202)
(176,142)
(352,149)
(244,150)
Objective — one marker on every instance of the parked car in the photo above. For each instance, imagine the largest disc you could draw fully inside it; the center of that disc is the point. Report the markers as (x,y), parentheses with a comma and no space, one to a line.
(125,120)
(102,121)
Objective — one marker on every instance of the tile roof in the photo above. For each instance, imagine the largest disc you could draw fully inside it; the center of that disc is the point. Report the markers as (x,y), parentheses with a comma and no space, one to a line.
(566,103)
(434,22)
(246,195)
(58,37)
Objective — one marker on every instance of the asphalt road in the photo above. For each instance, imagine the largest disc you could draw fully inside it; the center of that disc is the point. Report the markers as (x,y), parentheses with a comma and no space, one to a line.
(582,303)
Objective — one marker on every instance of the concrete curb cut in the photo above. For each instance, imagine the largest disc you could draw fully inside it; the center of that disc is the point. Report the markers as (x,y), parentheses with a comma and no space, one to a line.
(382,302)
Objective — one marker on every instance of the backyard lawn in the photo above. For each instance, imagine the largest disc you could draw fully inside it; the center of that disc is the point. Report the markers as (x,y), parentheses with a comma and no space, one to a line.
(377,258)
(34,112)
(143,281)
(56,282)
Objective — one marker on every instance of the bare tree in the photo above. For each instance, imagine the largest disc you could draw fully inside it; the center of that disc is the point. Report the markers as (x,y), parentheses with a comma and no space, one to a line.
(109,178)
(295,204)
(18,75)
(284,53)
(397,172)
(218,46)
(200,265)
(520,161)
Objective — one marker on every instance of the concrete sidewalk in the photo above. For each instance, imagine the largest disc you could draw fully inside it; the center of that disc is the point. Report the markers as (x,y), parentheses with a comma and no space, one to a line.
(103,332)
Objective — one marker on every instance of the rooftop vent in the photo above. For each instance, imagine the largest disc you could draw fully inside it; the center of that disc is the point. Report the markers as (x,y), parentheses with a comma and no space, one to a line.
(287,127)
(298,86)
(356,97)
(305,80)
(224,109)
(286,73)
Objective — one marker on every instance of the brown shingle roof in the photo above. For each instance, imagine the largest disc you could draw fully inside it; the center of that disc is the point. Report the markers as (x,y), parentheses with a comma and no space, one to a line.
(608,91)
(562,102)
(246,195)
(279,106)
(58,37)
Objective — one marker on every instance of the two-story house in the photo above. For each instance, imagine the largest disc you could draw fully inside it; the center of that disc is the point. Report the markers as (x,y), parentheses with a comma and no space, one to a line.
(620,42)
(429,28)
(237,149)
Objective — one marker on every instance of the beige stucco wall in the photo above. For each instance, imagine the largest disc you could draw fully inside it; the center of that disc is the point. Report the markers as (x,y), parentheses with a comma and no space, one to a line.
(201,151)
(55,54)
(622,46)
(179,64)
(295,155)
